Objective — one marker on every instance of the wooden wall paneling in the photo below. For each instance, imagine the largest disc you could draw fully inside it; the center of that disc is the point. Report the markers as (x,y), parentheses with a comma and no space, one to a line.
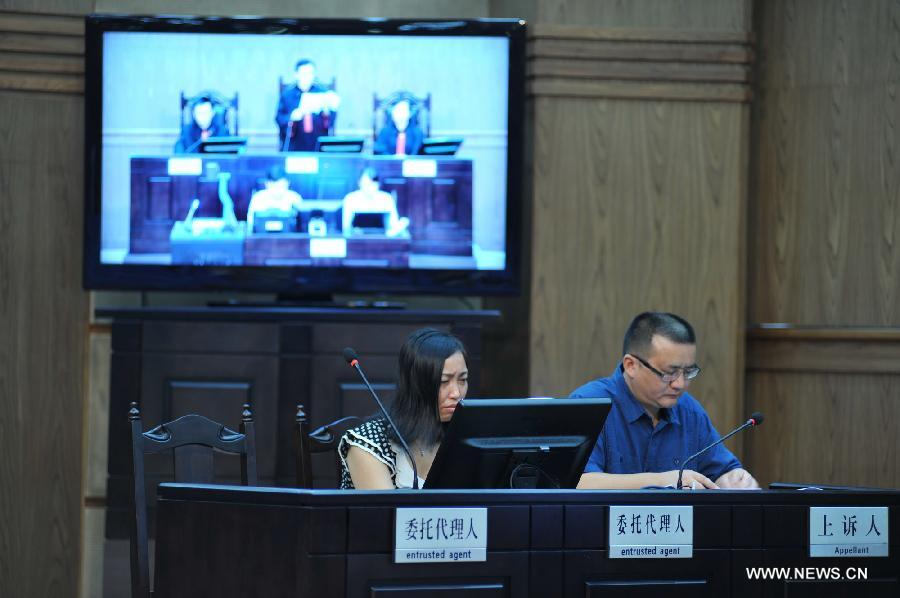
(568,61)
(827,350)
(831,405)
(43,53)
(44,335)
(506,343)
(825,428)
(639,204)
(826,165)
(823,230)
(693,15)
(308,9)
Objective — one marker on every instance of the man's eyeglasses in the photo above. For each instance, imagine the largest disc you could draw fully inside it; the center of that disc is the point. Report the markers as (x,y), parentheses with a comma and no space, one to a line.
(689,373)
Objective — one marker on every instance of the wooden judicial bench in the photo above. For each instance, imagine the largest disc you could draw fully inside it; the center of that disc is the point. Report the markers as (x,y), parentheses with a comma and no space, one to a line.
(274,542)
(212,360)
(438,204)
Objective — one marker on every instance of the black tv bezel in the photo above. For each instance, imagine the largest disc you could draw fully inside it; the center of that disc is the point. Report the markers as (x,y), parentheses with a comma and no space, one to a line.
(300,281)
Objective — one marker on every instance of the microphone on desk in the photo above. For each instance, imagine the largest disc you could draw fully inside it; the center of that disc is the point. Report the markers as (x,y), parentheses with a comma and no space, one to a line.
(189,219)
(353,359)
(193,146)
(755,419)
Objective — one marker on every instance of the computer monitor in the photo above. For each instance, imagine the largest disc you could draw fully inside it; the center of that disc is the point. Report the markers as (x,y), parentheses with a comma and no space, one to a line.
(518,443)
(222,145)
(440,146)
(275,221)
(344,144)
(369,222)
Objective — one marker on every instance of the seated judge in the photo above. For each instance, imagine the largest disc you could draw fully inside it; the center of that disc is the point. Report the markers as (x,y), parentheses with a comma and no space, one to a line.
(276,199)
(401,135)
(370,199)
(306,110)
(654,422)
(206,122)
(432,380)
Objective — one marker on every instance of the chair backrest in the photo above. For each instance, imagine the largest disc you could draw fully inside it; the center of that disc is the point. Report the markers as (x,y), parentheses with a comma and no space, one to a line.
(192,440)
(226,108)
(320,440)
(420,110)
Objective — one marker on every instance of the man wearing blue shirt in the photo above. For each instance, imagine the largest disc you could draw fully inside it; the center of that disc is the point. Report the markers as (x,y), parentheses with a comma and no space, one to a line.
(654,423)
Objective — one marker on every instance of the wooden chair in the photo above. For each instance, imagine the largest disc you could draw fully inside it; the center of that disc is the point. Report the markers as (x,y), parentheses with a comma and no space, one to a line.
(420,110)
(226,108)
(192,440)
(321,440)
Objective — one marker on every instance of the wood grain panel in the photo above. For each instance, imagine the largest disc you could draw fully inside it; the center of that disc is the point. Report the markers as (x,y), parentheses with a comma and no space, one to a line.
(826,165)
(830,350)
(638,90)
(638,70)
(685,14)
(816,356)
(825,428)
(41,63)
(634,35)
(43,327)
(41,24)
(638,205)
(41,52)
(580,61)
(659,50)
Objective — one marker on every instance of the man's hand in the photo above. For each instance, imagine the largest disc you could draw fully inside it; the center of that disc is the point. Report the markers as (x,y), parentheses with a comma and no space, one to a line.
(690,480)
(737,478)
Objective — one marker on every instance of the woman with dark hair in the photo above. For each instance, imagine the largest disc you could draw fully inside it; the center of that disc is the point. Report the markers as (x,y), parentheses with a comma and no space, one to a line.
(370,199)
(433,378)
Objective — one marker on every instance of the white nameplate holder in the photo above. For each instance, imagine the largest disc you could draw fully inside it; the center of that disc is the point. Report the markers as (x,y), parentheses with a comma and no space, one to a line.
(848,531)
(301,165)
(440,535)
(651,532)
(185,166)
(419,168)
(335,247)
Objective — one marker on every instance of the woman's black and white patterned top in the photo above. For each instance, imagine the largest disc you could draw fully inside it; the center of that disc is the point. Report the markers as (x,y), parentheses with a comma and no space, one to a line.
(374,438)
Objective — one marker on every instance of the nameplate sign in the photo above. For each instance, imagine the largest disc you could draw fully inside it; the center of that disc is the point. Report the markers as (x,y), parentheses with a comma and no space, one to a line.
(440,535)
(185,166)
(848,531)
(646,532)
(301,165)
(328,247)
(419,168)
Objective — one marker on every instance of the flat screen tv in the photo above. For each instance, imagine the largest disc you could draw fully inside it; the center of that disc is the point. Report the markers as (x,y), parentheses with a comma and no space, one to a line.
(211,160)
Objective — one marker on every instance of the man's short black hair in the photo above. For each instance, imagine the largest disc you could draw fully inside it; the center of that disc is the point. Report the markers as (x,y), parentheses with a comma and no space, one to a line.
(275,173)
(370,172)
(204,98)
(640,333)
(304,62)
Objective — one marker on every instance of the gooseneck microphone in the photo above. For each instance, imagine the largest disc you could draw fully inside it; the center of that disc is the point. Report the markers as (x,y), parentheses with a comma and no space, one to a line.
(351,358)
(755,419)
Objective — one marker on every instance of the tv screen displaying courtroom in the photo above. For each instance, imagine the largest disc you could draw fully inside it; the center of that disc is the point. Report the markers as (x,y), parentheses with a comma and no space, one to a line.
(240,153)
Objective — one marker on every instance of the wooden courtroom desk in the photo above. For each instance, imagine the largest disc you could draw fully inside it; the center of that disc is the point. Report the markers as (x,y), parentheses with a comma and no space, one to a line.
(378,251)
(234,541)
(212,360)
(438,204)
